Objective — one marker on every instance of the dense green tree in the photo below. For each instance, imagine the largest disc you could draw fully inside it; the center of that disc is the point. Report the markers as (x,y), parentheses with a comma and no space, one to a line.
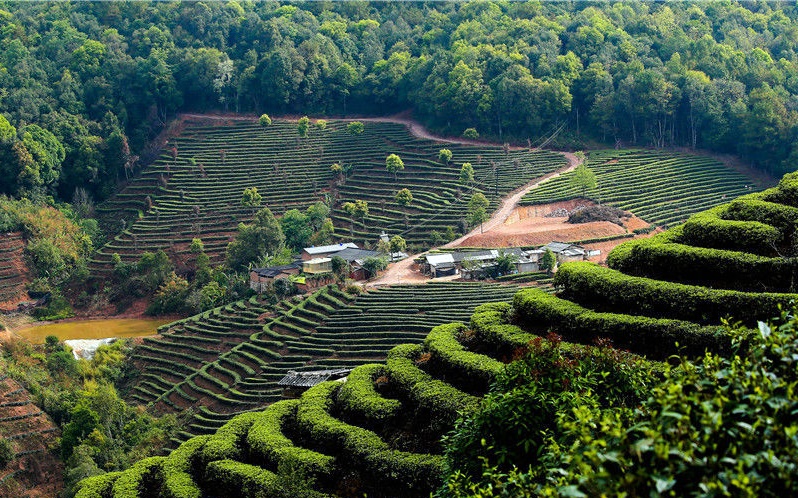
(548,260)
(317,213)
(403,197)
(296,228)
(374,265)
(264,120)
(355,128)
(394,164)
(444,156)
(340,268)
(719,76)
(477,210)
(466,174)
(398,244)
(583,179)
(261,238)
(251,198)
(357,209)
(302,126)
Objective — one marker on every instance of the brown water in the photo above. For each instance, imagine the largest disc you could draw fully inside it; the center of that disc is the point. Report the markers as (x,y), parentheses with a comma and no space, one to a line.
(92,329)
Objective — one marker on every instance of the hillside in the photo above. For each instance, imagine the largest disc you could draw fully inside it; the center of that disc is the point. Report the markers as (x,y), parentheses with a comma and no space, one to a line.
(195,188)
(34,471)
(229,360)
(13,269)
(346,436)
(663,188)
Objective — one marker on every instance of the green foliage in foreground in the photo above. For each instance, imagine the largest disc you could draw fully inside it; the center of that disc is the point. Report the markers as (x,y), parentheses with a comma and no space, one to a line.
(717,426)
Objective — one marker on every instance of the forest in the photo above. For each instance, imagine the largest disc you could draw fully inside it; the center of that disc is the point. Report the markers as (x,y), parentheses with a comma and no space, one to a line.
(84,86)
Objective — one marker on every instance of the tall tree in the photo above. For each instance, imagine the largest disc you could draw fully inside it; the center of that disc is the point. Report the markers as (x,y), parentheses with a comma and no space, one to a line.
(477,210)
(583,179)
(253,242)
(394,164)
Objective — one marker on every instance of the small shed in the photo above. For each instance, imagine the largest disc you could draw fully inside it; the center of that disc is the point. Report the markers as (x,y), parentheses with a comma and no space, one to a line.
(295,383)
(566,252)
(309,253)
(529,261)
(261,278)
(317,265)
(441,264)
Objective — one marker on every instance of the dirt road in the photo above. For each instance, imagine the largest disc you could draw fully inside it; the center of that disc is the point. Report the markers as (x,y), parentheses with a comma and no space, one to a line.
(401,272)
(511,202)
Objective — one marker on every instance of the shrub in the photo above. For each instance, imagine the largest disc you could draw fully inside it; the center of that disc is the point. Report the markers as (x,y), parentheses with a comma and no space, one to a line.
(707,229)
(97,486)
(660,257)
(57,309)
(718,427)
(606,289)
(268,444)
(470,133)
(177,479)
(265,120)
(170,297)
(598,213)
(231,478)
(654,337)
(355,128)
(511,430)
(409,473)
(441,401)
(139,480)
(491,323)
(476,369)
(753,208)
(6,453)
(360,399)
(226,442)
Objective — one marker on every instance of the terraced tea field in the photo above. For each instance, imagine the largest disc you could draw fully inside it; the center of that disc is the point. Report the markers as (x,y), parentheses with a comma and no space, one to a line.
(663,188)
(229,360)
(194,190)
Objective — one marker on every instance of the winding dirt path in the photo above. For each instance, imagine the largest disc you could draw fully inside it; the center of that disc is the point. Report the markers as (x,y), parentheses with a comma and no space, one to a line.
(401,271)
(511,201)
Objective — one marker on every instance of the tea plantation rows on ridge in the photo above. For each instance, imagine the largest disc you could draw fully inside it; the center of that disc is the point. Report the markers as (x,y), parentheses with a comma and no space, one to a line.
(663,188)
(229,359)
(197,191)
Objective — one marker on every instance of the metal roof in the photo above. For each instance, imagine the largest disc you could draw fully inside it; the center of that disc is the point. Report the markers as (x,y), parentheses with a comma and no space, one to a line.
(273,271)
(311,378)
(437,259)
(330,248)
(353,254)
(316,261)
(557,247)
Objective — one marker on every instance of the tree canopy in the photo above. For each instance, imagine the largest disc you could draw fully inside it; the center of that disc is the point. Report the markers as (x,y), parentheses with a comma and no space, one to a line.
(253,242)
(583,179)
(86,85)
(394,164)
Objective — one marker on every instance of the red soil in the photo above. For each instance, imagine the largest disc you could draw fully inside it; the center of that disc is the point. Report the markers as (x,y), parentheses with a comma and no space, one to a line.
(529,226)
(37,474)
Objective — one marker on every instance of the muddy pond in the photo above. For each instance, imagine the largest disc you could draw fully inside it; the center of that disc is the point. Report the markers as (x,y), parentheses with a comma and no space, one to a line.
(92,329)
